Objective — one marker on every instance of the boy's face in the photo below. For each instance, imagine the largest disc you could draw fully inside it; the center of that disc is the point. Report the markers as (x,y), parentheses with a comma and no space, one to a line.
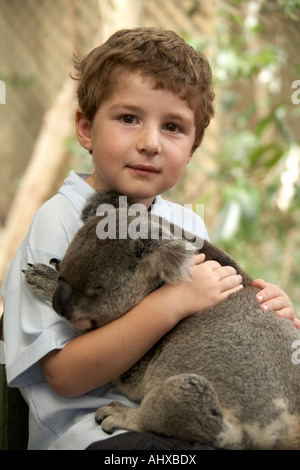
(141,139)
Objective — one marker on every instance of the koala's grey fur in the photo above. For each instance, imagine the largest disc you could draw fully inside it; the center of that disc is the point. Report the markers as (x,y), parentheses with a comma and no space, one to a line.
(224,376)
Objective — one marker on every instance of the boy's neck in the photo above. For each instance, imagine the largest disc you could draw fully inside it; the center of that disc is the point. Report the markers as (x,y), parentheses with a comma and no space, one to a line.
(91,181)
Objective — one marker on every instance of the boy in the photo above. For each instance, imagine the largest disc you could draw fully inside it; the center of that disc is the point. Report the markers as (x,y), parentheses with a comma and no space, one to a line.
(145,99)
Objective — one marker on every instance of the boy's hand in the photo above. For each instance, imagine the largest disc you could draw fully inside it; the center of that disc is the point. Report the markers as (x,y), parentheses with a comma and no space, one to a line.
(210,283)
(271,297)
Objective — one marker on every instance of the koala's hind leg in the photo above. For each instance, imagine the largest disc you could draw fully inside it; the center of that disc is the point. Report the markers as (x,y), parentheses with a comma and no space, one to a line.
(183,406)
(42,280)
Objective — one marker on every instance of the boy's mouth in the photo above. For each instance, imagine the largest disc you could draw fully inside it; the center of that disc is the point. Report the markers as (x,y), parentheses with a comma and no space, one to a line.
(144,169)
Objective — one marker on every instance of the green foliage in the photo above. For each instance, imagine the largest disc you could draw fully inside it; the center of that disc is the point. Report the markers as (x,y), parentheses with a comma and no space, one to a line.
(291,8)
(258,167)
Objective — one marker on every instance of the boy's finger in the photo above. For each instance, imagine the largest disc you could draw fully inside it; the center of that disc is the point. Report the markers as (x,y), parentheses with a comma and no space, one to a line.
(198,259)
(268,293)
(286,313)
(277,304)
(260,283)
(297,323)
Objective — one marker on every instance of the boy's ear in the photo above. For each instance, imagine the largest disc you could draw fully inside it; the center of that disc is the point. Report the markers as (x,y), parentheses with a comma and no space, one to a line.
(83,129)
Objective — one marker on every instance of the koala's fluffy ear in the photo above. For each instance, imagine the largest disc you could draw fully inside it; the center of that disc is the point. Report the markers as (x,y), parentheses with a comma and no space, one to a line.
(90,209)
(168,259)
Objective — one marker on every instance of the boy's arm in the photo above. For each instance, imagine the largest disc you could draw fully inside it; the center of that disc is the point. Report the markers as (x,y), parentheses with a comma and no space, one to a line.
(99,356)
(274,298)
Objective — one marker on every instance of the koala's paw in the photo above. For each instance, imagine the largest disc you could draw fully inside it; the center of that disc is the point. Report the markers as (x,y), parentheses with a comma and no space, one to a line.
(42,280)
(117,416)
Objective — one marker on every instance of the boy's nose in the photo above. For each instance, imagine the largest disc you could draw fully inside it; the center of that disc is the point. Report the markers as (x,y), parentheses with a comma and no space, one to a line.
(149,141)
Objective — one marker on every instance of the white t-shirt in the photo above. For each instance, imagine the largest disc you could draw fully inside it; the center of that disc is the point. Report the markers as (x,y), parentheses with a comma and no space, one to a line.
(32,328)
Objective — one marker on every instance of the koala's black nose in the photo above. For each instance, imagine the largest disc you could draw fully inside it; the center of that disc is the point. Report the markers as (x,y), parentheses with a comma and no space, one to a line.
(62,299)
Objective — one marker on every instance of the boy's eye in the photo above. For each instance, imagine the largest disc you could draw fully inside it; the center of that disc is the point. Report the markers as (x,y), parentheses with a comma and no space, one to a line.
(172,127)
(128,119)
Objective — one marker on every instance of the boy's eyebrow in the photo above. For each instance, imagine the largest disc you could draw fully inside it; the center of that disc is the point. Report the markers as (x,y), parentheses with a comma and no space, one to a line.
(127,106)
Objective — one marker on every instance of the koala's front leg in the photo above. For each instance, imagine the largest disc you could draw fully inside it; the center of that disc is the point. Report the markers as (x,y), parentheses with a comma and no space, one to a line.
(117,416)
(42,280)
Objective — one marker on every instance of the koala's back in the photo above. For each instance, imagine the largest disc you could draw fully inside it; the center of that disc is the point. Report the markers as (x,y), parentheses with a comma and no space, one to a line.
(245,353)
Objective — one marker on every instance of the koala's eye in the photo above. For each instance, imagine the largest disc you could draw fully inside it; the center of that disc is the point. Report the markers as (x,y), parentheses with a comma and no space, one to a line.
(94,290)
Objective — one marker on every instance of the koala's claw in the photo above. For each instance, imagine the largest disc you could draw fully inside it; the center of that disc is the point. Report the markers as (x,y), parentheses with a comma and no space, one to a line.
(106,417)
(55,262)
(106,411)
(116,416)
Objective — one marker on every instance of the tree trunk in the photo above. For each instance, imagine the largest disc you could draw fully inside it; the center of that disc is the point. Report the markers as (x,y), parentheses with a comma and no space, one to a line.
(40,179)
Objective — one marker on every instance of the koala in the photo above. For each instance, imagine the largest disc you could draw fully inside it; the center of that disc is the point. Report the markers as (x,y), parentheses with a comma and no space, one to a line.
(223,376)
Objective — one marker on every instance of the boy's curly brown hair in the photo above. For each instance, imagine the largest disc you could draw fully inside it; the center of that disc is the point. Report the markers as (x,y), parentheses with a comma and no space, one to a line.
(155,53)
